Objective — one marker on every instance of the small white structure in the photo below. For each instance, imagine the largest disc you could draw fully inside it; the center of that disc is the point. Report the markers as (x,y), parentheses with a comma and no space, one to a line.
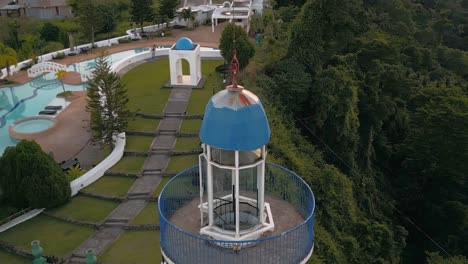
(202,15)
(238,12)
(45,67)
(185,49)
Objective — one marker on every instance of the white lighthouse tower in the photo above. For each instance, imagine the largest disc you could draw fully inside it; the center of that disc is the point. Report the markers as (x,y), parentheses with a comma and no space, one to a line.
(234,133)
(234,207)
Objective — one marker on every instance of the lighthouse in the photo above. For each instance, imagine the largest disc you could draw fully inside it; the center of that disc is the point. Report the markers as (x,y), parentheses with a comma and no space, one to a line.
(234,207)
(234,134)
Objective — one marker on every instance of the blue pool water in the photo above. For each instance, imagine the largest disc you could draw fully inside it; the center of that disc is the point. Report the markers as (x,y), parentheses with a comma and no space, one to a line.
(33,125)
(28,99)
(88,65)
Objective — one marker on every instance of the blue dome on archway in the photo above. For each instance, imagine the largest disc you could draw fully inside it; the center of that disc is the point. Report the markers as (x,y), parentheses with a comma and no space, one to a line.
(184,44)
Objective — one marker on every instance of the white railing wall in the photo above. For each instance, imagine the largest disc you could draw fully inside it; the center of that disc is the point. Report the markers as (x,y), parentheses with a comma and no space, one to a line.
(44,67)
(98,171)
(152,28)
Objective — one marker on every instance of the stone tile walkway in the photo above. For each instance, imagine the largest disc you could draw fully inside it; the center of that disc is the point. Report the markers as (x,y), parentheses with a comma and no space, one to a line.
(144,186)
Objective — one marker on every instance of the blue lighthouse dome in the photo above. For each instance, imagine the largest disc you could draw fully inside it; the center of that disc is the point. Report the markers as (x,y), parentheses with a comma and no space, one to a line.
(235,120)
(184,44)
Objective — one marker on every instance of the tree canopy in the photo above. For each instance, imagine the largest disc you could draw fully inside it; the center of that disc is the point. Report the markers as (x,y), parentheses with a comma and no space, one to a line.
(31,178)
(7,57)
(378,92)
(234,36)
(167,8)
(141,11)
(107,103)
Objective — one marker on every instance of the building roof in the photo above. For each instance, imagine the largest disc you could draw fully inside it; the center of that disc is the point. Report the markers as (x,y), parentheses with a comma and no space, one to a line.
(235,121)
(10,7)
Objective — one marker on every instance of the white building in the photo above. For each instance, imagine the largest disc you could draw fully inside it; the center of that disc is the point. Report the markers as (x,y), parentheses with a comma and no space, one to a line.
(41,9)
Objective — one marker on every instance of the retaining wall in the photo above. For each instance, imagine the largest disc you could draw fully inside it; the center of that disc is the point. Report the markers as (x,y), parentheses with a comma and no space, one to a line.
(98,171)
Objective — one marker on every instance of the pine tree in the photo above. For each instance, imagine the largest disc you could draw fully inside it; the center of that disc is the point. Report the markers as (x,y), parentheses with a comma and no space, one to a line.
(141,11)
(168,7)
(87,17)
(107,103)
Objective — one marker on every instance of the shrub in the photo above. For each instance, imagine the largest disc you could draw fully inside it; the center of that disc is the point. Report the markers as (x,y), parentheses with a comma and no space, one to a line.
(31,178)
(52,46)
(125,40)
(58,56)
(75,172)
(65,94)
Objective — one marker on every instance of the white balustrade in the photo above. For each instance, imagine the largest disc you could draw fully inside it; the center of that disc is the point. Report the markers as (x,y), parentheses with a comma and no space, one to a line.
(45,67)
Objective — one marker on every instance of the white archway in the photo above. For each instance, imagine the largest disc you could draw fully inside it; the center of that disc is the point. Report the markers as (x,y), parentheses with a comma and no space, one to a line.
(184,49)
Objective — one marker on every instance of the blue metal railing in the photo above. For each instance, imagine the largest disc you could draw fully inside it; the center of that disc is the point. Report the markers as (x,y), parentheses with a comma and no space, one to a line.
(291,246)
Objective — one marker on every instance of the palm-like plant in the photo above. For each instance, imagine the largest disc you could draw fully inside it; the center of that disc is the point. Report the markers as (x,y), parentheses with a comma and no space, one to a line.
(7,57)
(61,74)
(187,15)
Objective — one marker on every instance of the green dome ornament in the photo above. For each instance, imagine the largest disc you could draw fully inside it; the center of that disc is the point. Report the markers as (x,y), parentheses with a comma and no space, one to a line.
(37,253)
(90,257)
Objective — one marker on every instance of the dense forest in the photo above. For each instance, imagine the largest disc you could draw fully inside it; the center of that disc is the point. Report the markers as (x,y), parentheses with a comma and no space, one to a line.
(368,101)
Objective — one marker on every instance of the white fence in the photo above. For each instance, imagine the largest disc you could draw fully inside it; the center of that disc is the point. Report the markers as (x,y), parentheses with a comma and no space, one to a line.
(45,67)
(98,171)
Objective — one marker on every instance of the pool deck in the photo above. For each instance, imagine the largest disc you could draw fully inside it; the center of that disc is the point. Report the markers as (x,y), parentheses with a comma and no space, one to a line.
(72,136)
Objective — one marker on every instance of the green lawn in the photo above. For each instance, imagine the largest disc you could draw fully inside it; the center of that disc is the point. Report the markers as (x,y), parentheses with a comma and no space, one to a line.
(86,208)
(142,124)
(134,247)
(190,125)
(57,237)
(104,152)
(180,163)
(187,143)
(149,215)
(144,86)
(111,185)
(9,258)
(200,97)
(138,143)
(161,186)
(129,164)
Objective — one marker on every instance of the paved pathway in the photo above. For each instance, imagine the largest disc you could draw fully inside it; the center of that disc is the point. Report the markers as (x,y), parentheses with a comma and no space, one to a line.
(144,186)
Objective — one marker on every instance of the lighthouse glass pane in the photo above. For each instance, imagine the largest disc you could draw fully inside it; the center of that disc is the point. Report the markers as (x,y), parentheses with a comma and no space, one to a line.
(223,202)
(223,157)
(248,198)
(227,157)
(249,157)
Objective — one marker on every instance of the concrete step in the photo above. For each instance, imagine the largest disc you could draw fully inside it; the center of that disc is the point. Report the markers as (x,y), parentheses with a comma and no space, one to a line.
(138,194)
(174,115)
(167,132)
(116,220)
(160,152)
(152,172)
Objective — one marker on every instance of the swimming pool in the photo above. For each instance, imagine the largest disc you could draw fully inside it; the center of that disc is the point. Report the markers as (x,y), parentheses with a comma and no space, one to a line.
(28,99)
(88,65)
(33,125)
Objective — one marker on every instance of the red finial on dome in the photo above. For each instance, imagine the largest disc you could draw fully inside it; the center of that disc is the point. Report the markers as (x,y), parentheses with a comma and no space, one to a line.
(234,72)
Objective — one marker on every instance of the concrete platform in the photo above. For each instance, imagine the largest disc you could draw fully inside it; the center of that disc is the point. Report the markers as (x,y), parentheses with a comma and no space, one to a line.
(284,214)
